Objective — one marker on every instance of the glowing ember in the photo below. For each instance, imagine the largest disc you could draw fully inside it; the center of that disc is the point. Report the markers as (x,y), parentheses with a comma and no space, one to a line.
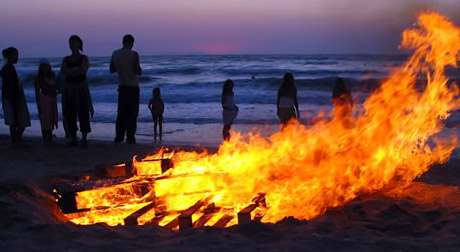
(304,170)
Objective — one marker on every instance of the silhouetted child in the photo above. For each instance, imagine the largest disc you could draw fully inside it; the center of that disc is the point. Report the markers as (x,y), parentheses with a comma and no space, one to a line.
(15,111)
(229,109)
(157,107)
(45,95)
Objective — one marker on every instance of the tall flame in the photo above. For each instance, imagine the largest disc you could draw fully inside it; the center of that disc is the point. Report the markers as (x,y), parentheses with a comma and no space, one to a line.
(304,170)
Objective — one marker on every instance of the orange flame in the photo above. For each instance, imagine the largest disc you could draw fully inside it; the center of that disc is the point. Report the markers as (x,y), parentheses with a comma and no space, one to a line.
(305,170)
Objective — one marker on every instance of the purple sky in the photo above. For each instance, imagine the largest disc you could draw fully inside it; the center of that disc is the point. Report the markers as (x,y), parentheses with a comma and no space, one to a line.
(41,27)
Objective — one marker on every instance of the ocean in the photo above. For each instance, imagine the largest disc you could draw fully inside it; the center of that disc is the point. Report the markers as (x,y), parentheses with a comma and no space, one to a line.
(191,87)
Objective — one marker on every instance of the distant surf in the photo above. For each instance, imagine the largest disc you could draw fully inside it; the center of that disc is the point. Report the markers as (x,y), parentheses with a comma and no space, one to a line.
(191,84)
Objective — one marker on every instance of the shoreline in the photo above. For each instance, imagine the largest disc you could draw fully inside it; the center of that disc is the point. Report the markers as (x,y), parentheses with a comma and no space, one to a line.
(174,134)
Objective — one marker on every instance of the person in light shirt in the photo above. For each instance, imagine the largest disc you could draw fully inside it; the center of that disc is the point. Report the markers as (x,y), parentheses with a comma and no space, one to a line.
(229,109)
(287,104)
(125,62)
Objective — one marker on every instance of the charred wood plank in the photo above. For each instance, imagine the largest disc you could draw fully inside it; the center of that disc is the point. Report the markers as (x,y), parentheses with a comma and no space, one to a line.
(244,216)
(185,218)
(223,221)
(163,164)
(172,224)
(208,213)
(109,196)
(185,222)
(131,220)
(67,202)
(156,220)
(113,171)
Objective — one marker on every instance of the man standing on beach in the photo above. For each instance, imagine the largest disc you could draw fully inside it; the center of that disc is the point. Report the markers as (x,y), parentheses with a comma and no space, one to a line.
(125,62)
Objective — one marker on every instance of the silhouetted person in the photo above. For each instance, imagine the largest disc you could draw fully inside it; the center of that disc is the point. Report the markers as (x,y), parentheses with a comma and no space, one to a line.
(15,111)
(45,95)
(60,83)
(76,95)
(287,104)
(157,108)
(229,109)
(342,101)
(125,62)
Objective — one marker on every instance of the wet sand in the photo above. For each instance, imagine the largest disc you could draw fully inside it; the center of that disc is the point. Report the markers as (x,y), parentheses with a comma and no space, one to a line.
(424,217)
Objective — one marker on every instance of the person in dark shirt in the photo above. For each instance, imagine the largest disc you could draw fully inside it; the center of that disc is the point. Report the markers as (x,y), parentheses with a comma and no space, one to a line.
(342,100)
(157,107)
(45,95)
(16,113)
(76,97)
(287,104)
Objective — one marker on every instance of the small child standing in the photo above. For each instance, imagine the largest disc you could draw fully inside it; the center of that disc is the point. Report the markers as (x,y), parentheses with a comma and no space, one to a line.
(157,107)
(45,94)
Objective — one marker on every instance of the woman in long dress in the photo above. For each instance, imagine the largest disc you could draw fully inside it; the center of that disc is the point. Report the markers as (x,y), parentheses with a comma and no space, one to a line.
(14,103)
(287,104)
(229,109)
(76,97)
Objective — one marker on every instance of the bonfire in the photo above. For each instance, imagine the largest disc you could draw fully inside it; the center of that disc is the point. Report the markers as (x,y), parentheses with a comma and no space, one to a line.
(301,171)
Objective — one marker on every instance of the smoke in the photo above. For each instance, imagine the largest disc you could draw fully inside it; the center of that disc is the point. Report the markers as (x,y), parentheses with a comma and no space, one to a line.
(400,11)
(374,26)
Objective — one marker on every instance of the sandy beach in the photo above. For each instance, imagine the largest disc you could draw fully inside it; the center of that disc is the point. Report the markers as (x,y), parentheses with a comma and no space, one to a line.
(424,217)
(285,125)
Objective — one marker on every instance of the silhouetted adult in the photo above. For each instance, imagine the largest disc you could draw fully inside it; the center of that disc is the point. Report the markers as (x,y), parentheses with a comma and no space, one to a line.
(76,96)
(229,109)
(287,104)
(15,111)
(125,62)
(342,99)
(45,96)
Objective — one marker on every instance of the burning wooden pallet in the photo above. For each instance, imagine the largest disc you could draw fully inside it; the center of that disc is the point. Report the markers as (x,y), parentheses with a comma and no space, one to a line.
(121,195)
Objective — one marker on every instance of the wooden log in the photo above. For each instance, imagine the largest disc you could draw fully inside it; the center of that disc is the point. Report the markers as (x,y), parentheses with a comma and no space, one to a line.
(131,220)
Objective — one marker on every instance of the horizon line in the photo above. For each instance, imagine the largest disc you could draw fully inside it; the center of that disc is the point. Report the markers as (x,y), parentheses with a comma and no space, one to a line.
(236,54)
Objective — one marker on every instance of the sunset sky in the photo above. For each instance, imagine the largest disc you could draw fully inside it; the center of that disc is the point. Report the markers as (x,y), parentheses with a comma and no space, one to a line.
(41,27)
